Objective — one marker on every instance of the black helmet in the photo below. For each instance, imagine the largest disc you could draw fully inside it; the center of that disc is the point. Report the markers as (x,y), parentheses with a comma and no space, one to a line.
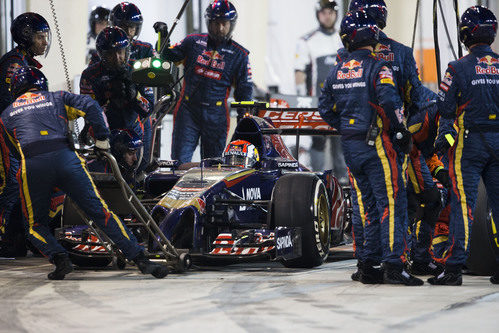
(357,30)
(125,141)
(375,8)
(25,26)
(125,15)
(478,25)
(25,78)
(221,10)
(98,14)
(110,40)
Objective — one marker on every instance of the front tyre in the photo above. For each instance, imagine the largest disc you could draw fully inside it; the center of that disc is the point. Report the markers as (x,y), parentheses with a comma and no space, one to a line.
(301,200)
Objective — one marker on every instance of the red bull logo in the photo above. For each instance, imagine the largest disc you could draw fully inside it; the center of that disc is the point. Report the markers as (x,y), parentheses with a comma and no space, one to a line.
(351,73)
(212,58)
(382,47)
(352,64)
(491,64)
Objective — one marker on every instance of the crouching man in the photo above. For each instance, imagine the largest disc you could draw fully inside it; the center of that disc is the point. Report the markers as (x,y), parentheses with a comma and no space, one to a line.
(35,126)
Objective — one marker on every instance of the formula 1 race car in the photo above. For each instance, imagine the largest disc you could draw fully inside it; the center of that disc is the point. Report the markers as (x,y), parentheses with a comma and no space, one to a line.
(275,210)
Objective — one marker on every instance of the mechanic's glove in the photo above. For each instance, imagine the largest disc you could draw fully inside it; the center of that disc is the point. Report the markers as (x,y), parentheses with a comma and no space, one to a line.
(442,143)
(101,147)
(443,177)
(403,140)
(161,27)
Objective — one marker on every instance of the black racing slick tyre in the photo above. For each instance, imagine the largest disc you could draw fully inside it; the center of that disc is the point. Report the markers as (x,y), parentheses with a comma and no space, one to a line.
(484,237)
(301,200)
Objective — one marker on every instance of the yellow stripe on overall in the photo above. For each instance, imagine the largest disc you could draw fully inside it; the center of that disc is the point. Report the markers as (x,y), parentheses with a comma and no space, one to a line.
(360,203)
(459,178)
(27,198)
(103,203)
(387,172)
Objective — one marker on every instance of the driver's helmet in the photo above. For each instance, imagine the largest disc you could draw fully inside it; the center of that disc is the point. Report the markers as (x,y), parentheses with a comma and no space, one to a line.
(241,153)
(127,148)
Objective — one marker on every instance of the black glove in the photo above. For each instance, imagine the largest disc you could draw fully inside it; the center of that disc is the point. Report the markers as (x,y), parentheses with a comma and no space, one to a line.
(161,27)
(443,177)
(101,147)
(403,140)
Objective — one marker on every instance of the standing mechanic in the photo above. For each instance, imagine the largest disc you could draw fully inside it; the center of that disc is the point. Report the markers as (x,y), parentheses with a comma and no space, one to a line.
(422,191)
(360,99)
(315,55)
(108,81)
(31,32)
(128,17)
(213,63)
(36,129)
(469,98)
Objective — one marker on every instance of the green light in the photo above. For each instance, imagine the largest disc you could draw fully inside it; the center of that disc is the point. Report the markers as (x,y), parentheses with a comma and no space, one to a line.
(137,65)
(156,63)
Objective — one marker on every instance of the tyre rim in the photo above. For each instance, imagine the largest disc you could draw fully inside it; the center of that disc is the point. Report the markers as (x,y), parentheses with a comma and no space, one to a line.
(323,218)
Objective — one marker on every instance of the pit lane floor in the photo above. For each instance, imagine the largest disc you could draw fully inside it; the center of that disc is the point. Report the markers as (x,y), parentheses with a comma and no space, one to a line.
(262,297)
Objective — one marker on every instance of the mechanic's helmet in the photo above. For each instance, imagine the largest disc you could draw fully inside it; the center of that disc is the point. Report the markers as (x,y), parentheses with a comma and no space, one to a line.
(323,4)
(478,25)
(98,14)
(127,16)
(28,26)
(220,11)
(113,47)
(26,78)
(358,30)
(374,8)
(241,153)
(127,148)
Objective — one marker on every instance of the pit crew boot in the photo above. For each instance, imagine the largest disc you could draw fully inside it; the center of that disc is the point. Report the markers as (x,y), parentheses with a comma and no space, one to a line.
(147,266)
(451,276)
(426,268)
(371,274)
(63,266)
(356,276)
(495,278)
(395,274)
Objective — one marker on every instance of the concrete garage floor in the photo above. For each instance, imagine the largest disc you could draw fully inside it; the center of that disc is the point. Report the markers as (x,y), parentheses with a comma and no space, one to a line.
(263,297)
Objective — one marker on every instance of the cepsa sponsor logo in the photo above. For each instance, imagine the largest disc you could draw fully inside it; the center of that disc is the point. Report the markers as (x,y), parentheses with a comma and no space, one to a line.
(305,119)
(351,73)
(490,62)
(208,73)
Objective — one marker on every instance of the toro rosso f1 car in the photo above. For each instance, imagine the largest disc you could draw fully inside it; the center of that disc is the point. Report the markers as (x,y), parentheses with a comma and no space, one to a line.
(275,210)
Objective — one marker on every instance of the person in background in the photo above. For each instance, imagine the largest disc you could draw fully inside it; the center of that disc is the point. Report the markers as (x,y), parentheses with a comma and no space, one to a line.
(97,21)
(315,55)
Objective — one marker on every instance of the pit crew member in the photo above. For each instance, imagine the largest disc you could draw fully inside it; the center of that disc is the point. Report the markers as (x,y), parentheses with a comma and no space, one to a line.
(108,81)
(31,33)
(213,63)
(469,98)
(360,99)
(36,127)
